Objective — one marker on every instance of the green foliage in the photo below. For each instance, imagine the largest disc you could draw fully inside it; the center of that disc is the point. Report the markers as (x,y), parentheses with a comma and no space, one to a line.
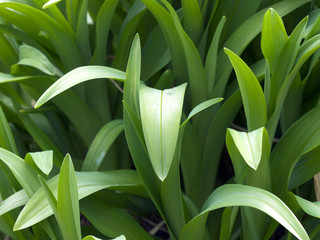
(144,140)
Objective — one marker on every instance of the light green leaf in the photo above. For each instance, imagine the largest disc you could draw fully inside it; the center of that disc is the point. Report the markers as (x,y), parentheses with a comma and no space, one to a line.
(160,117)
(43,160)
(95,238)
(249,145)
(17,199)
(251,92)
(38,207)
(77,76)
(101,144)
(50,3)
(25,175)
(200,107)
(311,208)
(240,195)
(68,203)
(273,37)
(131,88)
(32,57)
(51,198)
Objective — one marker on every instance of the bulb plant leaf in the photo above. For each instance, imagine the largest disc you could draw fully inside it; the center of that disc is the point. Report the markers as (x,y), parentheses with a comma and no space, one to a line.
(67,201)
(252,95)
(160,118)
(77,76)
(241,195)
(38,207)
(249,145)
(101,144)
(43,160)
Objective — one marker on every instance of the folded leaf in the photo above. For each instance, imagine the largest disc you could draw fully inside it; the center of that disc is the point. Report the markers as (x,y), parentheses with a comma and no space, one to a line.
(160,117)
(249,145)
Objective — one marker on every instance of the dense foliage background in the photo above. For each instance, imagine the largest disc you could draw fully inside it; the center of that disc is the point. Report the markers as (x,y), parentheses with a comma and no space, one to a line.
(201,120)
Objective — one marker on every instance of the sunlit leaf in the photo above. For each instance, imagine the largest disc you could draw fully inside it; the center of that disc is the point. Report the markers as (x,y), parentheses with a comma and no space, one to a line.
(240,195)
(160,116)
(249,145)
(43,160)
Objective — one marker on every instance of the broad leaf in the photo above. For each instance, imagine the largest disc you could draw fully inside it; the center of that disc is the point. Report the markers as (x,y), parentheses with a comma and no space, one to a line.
(43,160)
(273,37)
(160,117)
(249,145)
(240,195)
(38,207)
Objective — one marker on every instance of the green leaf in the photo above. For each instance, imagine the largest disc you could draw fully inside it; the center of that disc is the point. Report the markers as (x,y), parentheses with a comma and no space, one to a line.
(251,92)
(127,32)
(90,237)
(138,150)
(212,56)
(132,78)
(307,166)
(51,199)
(111,221)
(30,56)
(155,54)
(101,144)
(240,195)
(244,34)
(17,199)
(25,175)
(197,76)
(201,107)
(103,22)
(192,19)
(6,137)
(68,203)
(311,208)
(160,117)
(77,76)
(50,3)
(38,207)
(43,160)
(273,37)
(302,137)
(249,145)
(282,94)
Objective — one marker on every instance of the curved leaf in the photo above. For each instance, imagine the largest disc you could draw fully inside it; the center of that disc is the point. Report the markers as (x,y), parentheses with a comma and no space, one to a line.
(251,92)
(77,76)
(241,195)
(101,144)
(249,145)
(17,199)
(38,207)
(43,160)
